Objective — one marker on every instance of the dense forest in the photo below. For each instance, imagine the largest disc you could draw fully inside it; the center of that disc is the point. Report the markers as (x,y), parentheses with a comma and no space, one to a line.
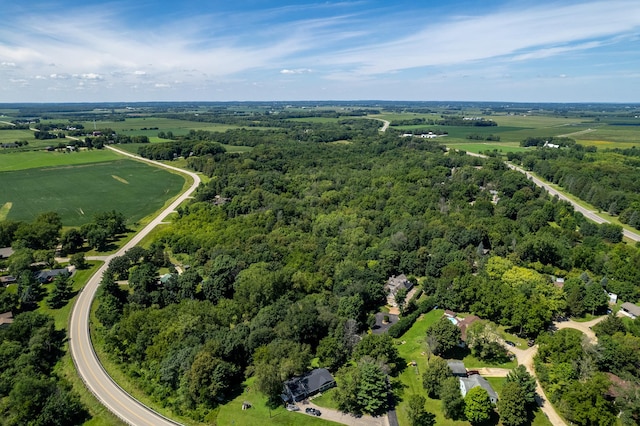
(288,248)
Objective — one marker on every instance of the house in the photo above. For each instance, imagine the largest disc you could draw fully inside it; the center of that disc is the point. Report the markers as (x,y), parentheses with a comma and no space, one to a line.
(457,368)
(165,278)
(5,252)
(393,285)
(630,310)
(6,319)
(313,382)
(47,276)
(465,322)
(468,383)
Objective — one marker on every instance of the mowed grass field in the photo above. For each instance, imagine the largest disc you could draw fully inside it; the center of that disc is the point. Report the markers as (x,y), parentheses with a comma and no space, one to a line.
(77,192)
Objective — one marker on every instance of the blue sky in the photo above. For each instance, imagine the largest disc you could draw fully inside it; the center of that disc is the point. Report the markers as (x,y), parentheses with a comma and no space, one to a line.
(214,50)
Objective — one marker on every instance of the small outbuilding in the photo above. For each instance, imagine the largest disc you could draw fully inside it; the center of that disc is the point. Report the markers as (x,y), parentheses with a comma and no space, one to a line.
(312,383)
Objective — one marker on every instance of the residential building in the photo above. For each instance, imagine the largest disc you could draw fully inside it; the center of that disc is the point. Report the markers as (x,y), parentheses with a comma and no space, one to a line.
(313,382)
(468,383)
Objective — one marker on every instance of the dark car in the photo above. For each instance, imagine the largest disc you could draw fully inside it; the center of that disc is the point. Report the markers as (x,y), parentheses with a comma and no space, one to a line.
(531,342)
(312,411)
(510,343)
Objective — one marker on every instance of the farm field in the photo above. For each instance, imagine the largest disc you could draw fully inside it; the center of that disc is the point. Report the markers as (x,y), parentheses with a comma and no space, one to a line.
(150,126)
(11,161)
(77,192)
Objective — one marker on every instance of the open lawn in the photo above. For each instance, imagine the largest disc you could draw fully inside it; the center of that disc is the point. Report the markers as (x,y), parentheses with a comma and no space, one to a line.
(259,414)
(78,192)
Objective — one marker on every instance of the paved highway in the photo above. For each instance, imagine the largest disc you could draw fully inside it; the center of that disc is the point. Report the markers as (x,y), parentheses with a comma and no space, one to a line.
(89,368)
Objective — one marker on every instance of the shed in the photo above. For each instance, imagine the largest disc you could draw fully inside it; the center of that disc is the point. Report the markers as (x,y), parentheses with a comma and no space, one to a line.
(313,382)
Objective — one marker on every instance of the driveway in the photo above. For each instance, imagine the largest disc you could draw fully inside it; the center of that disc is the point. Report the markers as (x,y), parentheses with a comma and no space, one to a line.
(525,357)
(345,419)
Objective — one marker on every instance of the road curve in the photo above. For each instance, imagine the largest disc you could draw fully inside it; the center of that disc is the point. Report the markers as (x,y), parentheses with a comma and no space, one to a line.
(119,402)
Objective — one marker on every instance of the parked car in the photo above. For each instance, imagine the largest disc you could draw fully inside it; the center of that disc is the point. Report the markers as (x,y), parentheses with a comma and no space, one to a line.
(292,407)
(531,342)
(312,411)
(510,343)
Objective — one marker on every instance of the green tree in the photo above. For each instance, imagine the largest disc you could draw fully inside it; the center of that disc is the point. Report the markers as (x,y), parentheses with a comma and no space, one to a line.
(71,241)
(595,298)
(452,401)
(416,412)
(373,389)
(526,382)
(60,293)
(512,405)
(381,348)
(477,405)
(442,336)
(434,376)
(78,260)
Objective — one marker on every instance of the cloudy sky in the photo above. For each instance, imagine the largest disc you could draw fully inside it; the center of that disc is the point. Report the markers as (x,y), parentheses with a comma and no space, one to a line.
(218,50)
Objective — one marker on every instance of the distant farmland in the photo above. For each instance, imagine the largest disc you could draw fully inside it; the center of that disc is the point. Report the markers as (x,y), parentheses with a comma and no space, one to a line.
(77,192)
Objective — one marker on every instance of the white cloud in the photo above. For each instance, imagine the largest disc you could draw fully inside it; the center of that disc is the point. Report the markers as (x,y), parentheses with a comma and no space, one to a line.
(8,64)
(296,71)
(59,76)
(161,85)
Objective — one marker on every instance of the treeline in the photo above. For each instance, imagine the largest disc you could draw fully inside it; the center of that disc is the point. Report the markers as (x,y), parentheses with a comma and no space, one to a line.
(263,118)
(186,148)
(610,180)
(446,121)
(31,392)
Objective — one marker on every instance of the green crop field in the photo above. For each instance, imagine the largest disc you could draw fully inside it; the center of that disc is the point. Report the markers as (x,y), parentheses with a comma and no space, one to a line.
(11,161)
(77,192)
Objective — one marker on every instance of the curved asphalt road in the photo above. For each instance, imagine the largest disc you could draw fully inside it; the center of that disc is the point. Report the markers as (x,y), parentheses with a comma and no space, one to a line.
(89,368)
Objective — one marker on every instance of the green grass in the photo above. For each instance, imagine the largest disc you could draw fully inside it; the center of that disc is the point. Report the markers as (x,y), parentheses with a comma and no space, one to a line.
(12,161)
(79,279)
(78,192)
(259,414)
(326,399)
(12,135)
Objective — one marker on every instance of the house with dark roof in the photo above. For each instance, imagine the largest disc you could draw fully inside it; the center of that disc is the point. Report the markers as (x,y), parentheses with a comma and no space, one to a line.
(47,276)
(630,310)
(313,382)
(475,380)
